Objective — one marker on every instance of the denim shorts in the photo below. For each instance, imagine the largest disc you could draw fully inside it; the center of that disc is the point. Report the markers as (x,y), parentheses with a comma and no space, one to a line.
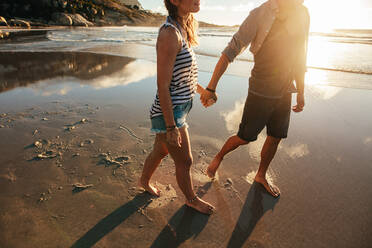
(180,113)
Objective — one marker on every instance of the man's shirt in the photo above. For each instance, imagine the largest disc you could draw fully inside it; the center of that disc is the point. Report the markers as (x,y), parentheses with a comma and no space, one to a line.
(279,48)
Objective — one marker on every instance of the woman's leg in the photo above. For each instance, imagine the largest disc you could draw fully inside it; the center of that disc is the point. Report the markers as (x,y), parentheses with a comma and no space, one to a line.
(152,162)
(230,145)
(183,160)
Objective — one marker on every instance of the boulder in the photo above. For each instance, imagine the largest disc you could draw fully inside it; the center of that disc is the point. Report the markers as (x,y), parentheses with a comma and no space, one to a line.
(93,11)
(62,3)
(78,20)
(62,19)
(3,22)
(19,23)
(4,35)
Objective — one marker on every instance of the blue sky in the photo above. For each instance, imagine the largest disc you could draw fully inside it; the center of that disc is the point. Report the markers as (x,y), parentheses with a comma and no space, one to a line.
(325,14)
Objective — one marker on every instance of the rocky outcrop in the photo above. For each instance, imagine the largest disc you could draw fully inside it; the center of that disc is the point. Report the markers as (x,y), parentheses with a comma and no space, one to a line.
(61,18)
(64,19)
(3,22)
(75,13)
(78,20)
(19,23)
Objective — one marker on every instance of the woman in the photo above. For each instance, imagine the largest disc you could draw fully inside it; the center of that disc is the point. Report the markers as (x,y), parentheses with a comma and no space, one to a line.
(177,84)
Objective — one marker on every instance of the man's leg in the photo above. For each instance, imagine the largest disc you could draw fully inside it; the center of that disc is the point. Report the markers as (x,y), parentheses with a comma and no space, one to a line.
(255,115)
(267,154)
(230,145)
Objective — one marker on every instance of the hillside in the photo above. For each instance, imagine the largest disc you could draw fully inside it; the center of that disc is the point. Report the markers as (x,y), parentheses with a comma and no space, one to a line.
(39,13)
(28,13)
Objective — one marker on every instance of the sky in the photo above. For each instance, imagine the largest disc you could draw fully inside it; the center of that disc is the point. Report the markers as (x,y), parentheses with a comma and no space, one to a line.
(325,14)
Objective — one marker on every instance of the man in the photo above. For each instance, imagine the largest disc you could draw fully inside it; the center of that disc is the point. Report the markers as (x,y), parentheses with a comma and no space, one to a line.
(277,32)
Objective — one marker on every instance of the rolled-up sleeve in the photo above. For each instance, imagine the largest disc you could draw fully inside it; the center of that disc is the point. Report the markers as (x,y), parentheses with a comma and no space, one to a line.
(243,37)
(301,66)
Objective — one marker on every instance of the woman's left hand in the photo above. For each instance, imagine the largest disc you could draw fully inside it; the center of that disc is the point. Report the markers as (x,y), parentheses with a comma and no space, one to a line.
(208,98)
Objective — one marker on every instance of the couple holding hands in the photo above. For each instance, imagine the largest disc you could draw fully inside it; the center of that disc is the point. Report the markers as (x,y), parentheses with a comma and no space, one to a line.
(277,32)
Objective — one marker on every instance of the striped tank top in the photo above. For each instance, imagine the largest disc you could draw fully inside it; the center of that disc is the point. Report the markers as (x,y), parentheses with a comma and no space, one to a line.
(184,78)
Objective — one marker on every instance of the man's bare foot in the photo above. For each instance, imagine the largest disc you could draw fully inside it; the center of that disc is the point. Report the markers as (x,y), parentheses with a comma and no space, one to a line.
(213,166)
(200,205)
(271,189)
(149,188)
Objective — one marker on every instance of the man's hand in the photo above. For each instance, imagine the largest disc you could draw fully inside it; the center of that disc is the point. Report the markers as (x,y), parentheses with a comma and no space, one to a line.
(300,103)
(174,137)
(208,98)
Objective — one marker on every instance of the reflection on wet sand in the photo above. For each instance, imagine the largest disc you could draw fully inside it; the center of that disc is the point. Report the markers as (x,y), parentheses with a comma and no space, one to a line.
(295,151)
(367,140)
(20,69)
(233,117)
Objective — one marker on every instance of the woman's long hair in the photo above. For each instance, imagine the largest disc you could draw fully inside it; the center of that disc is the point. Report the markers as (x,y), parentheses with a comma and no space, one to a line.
(190,26)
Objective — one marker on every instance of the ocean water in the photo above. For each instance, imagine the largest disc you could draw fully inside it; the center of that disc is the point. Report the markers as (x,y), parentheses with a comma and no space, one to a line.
(340,50)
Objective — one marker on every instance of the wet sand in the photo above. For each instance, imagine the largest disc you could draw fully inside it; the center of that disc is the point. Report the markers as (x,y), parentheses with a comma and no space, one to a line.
(91,115)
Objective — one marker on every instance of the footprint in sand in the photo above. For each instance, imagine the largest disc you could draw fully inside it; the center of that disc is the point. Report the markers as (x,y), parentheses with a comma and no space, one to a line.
(199,174)
(167,195)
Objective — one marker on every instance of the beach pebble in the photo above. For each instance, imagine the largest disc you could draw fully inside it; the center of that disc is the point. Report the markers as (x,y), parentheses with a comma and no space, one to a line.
(122,159)
(83,121)
(38,144)
(46,155)
(60,188)
(140,226)
(69,128)
(77,187)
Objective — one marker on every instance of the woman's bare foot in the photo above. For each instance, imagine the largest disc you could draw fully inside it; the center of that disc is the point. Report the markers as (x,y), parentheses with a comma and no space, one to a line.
(213,166)
(271,189)
(149,188)
(200,205)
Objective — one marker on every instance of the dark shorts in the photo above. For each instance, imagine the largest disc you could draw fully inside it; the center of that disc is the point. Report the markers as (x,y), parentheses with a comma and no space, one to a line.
(260,112)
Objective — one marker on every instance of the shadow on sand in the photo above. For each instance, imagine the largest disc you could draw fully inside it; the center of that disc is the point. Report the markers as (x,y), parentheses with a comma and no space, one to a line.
(111,221)
(258,201)
(186,223)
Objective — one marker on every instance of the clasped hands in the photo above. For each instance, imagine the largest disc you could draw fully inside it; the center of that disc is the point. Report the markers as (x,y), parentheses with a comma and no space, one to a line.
(207,98)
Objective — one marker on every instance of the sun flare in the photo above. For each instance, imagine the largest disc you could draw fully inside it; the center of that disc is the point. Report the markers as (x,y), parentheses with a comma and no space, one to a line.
(333,14)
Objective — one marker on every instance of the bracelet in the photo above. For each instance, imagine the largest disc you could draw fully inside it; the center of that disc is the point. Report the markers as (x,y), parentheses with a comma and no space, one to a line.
(171,127)
(210,90)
